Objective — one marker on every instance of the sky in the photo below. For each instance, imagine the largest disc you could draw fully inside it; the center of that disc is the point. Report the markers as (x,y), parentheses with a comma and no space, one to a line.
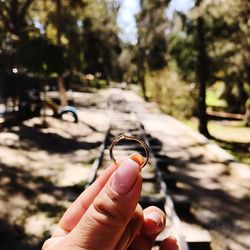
(126,20)
(129,8)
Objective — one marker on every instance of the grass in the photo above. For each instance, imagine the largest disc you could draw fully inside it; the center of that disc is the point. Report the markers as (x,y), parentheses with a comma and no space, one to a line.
(230,135)
(212,100)
(98,83)
(240,151)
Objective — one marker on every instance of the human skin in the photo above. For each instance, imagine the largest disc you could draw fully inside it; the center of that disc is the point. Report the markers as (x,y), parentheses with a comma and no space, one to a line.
(107,215)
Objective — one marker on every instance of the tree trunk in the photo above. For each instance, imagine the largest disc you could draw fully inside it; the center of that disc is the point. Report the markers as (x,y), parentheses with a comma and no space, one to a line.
(201,75)
(58,21)
(141,79)
(242,98)
(62,91)
(60,80)
(141,74)
(247,114)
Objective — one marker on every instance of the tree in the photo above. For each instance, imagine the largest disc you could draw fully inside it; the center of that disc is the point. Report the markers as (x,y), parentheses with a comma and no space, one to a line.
(151,45)
(60,81)
(48,57)
(15,29)
(13,14)
(202,73)
(88,32)
(53,17)
(101,50)
(216,39)
(101,45)
(182,46)
(188,48)
(229,49)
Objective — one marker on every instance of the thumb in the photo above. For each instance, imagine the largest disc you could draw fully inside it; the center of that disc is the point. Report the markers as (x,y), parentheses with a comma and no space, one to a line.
(107,217)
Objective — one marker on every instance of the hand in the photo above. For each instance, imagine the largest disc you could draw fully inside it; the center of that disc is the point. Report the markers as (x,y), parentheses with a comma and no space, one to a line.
(107,215)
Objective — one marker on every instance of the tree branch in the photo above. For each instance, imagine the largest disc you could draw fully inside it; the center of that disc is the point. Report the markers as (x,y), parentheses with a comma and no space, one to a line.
(25,8)
(5,21)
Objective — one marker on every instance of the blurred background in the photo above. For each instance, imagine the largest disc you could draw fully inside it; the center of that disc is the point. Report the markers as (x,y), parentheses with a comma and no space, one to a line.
(187,59)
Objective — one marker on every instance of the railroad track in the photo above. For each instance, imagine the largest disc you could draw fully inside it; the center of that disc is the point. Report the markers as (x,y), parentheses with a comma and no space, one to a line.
(158,184)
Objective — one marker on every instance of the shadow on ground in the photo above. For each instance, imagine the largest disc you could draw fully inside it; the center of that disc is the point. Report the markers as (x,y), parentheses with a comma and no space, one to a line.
(34,139)
(24,185)
(216,200)
(23,193)
(241,151)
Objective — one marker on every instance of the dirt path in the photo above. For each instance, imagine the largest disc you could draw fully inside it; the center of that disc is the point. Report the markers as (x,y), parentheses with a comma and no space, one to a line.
(43,170)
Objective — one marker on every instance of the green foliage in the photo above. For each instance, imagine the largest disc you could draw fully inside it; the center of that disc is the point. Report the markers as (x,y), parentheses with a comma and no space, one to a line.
(127,64)
(182,50)
(213,96)
(41,56)
(151,47)
(227,37)
(90,44)
(86,31)
(98,83)
(100,49)
(13,16)
(157,53)
(173,96)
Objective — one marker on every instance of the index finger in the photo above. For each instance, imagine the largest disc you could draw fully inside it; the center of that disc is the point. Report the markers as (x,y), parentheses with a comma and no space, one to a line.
(77,209)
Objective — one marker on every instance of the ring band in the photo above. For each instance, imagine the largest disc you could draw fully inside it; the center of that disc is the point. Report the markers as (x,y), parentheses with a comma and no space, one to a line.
(129,138)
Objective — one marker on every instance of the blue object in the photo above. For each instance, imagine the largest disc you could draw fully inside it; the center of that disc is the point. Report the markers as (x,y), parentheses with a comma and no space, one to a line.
(68,109)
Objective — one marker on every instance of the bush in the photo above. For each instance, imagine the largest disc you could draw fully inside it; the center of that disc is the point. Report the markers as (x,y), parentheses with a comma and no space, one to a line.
(173,96)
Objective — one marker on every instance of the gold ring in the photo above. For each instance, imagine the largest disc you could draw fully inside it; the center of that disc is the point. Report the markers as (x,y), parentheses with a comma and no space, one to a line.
(130,138)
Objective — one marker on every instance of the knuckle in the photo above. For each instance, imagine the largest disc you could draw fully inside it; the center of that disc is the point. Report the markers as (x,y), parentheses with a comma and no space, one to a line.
(139,213)
(108,211)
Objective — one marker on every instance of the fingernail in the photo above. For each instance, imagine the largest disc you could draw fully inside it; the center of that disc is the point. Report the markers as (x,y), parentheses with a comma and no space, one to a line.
(125,176)
(139,159)
(155,217)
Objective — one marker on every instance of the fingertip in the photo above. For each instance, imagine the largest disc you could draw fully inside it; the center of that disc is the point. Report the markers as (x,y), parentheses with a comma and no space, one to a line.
(155,218)
(152,227)
(139,159)
(124,178)
(153,224)
(170,243)
(154,221)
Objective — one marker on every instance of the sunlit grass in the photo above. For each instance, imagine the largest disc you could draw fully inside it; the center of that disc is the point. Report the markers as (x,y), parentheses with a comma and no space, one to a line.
(230,135)
(230,131)
(212,100)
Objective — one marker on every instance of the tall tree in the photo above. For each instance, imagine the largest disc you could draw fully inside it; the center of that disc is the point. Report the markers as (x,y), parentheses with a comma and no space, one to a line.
(58,20)
(88,33)
(151,26)
(15,29)
(60,80)
(202,73)
(230,49)
(13,14)
(100,43)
